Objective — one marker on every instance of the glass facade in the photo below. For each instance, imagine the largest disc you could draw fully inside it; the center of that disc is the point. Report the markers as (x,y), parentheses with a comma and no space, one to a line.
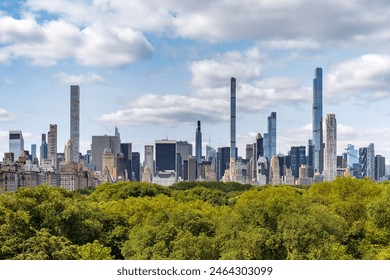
(317,122)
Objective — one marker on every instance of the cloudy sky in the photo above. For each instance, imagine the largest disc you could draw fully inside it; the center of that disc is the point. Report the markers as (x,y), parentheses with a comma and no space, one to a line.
(155,67)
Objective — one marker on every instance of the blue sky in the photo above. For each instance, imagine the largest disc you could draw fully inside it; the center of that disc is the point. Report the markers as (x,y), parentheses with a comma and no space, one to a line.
(154,68)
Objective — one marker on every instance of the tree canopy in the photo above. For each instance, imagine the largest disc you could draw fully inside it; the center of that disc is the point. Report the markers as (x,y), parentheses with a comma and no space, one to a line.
(344,219)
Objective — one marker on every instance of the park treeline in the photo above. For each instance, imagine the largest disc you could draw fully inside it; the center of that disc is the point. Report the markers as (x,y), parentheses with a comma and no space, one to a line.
(344,219)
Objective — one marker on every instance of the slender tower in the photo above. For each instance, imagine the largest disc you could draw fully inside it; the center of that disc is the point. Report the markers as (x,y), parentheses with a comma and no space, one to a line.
(330,168)
(75,121)
(198,144)
(233,120)
(317,122)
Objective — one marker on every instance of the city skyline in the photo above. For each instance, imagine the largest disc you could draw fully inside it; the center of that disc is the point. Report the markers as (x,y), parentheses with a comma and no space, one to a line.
(156,79)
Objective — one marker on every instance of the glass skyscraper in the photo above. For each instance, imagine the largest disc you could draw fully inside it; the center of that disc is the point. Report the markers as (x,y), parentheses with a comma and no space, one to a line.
(317,122)
(272,134)
(16,143)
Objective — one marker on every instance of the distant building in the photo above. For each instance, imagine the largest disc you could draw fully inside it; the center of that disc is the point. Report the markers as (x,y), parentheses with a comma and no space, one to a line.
(75,121)
(272,135)
(317,122)
(165,155)
(380,167)
(99,144)
(274,171)
(126,150)
(149,161)
(52,145)
(136,162)
(298,157)
(16,143)
(330,165)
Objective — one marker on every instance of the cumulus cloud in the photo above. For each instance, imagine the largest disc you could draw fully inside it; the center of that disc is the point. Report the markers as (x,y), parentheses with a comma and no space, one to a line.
(79,79)
(47,43)
(367,76)
(210,100)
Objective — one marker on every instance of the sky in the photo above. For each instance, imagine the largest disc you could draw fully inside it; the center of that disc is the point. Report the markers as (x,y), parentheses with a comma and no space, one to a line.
(155,67)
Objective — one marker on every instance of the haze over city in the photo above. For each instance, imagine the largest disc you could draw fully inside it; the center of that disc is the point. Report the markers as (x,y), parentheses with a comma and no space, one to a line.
(153,68)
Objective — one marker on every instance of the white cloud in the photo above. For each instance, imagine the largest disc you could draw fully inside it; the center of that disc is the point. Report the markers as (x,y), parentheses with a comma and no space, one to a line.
(291,44)
(5,115)
(366,76)
(52,41)
(79,79)
(210,100)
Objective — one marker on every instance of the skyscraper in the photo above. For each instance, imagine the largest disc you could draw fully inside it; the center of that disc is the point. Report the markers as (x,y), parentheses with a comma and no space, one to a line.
(330,167)
(165,155)
(272,135)
(233,155)
(198,144)
(149,150)
(99,143)
(33,151)
(136,165)
(317,122)
(43,149)
(126,150)
(16,143)
(298,157)
(367,161)
(52,144)
(75,121)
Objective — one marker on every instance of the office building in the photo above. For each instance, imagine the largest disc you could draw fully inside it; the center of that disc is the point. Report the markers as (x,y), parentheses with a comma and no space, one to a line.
(297,158)
(330,164)
(184,151)
(317,122)
(266,146)
(43,149)
(136,165)
(126,150)
(99,143)
(380,167)
(165,155)
(33,151)
(16,143)
(75,121)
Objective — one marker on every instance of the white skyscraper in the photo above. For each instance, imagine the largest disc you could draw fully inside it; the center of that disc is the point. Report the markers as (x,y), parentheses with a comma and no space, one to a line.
(330,168)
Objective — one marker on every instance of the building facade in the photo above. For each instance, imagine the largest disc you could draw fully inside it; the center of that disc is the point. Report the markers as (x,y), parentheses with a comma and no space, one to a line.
(75,121)
(317,122)
(330,164)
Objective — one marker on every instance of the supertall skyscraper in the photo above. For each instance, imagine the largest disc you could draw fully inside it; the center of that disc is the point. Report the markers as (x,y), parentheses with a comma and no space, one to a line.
(198,144)
(272,135)
(233,155)
(330,168)
(75,121)
(317,122)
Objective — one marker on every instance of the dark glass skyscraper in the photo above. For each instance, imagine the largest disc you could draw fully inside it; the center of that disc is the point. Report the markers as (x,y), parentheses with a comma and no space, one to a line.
(317,122)
(272,134)
(198,144)
(165,155)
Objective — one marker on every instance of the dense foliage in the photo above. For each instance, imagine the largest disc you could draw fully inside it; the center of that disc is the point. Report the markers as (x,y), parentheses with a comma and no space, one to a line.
(344,219)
